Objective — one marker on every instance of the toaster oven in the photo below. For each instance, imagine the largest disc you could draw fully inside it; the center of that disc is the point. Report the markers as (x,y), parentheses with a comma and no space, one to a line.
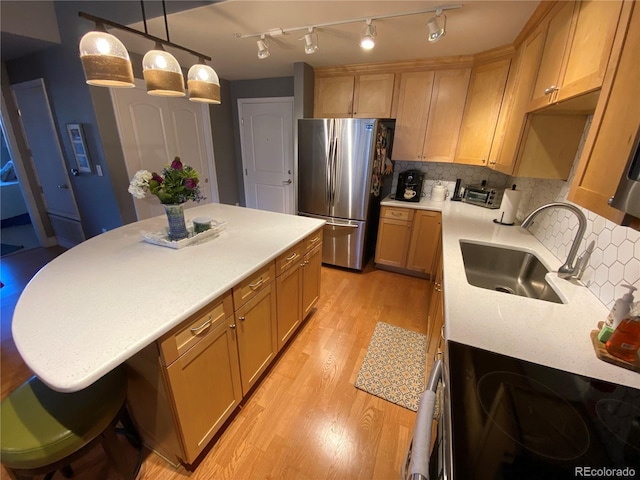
(483,196)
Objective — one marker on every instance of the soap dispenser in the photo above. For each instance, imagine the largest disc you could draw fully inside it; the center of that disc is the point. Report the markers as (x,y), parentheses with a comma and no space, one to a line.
(625,340)
(618,312)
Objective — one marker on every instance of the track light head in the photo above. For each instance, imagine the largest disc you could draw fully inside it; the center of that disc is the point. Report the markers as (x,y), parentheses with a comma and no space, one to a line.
(310,41)
(263,48)
(368,36)
(435,31)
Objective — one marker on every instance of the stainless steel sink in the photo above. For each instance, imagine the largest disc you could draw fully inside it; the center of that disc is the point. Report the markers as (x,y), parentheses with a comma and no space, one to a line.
(507,270)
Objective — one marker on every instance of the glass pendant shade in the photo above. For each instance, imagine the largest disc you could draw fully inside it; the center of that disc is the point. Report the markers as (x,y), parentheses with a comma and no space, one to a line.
(203,84)
(367,42)
(105,61)
(435,32)
(162,74)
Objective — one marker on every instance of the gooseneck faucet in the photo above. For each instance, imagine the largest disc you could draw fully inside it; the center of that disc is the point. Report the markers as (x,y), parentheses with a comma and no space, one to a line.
(568,270)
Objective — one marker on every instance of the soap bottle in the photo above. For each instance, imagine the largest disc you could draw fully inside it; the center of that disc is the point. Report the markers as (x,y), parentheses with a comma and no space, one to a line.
(625,340)
(618,312)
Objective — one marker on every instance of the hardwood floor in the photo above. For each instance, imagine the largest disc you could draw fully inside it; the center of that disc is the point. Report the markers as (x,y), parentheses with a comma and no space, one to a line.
(305,420)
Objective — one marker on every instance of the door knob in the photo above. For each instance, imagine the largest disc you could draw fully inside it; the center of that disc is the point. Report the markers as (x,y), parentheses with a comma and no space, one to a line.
(287,182)
(63,186)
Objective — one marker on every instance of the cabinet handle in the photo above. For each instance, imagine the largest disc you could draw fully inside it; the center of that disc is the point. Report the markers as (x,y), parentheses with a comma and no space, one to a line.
(292,257)
(442,331)
(484,160)
(550,90)
(253,286)
(232,326)
(314,239)
(437,287)
(396,214)
(207,324)
(610,201)
(241,318)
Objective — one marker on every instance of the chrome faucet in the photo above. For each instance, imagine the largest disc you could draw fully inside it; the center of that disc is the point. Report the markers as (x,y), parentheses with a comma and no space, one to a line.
(568,270)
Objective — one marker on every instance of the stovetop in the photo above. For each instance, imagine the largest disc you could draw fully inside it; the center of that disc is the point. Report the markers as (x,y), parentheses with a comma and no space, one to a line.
(513,419)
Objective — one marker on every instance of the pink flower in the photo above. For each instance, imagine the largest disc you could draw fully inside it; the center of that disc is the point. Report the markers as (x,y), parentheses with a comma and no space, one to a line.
(156,177)
(176,164)
(190,183)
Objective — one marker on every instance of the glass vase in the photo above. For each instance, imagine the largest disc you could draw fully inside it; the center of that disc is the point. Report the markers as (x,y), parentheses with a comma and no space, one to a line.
(177,226)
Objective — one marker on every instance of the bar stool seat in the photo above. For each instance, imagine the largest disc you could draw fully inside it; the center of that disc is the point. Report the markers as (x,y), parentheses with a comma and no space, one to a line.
(42,430)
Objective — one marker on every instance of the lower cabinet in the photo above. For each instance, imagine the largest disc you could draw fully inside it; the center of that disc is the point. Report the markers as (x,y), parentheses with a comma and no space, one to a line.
(435,316)
(407,240)
(183,387)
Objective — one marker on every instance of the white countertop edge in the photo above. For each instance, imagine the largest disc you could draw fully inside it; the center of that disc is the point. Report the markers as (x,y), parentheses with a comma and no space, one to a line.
(554,335)
(97,333)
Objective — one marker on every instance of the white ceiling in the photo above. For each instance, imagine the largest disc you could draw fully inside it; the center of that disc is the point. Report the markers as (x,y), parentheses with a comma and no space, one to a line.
(478,26)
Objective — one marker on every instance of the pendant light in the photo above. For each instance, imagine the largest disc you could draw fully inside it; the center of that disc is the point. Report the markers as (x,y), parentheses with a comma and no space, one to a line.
(203,84)
(105,60)
(162,73)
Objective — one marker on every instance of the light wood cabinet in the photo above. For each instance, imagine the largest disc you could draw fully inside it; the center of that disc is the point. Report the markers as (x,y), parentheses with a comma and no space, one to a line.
(614,126)
(425,232)
(578,43)
(394,233)
(429,113)
(483,104)
(407,239)
(435,316)
(311,272)
(357,96)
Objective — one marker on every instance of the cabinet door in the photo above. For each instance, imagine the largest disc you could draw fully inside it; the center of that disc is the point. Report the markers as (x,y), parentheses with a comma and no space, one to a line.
(311,279)
(436,310)
(484,100)
(289,298)
(425,231)
(558,27)
(393,242)
(257,335)
(586,63)
(373,95)
(334,97)
(445,114)
(205,387)
(610,139)
(411,118)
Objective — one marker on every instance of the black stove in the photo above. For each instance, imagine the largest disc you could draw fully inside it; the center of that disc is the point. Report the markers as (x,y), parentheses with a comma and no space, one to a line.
(517,420)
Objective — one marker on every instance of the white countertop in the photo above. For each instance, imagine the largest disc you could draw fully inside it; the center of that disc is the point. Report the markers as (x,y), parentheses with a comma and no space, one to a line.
(555,335)
(101,302)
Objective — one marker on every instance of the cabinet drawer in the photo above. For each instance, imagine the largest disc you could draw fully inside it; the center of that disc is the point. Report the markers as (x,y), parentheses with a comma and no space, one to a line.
(312,240)
(176,342)
(249,287)
(288,258)
(397,213)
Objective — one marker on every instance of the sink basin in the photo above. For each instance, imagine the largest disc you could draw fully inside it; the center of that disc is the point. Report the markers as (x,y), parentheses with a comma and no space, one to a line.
(507,270)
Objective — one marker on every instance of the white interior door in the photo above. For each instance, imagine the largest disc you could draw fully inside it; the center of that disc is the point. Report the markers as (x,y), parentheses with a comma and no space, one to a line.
(153,130)
(46,154)
(266,136)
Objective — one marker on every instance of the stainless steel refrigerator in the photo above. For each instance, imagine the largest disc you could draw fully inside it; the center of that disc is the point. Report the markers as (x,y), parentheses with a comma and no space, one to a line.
(340,171)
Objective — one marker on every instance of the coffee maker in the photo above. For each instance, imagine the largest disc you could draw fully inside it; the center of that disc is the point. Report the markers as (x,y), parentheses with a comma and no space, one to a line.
(409,186)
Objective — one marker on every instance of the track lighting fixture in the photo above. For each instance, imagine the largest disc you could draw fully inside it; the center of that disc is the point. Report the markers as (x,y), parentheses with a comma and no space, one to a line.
(368,36)
(263,48)
(310,41)
(106,63)
(367,40)
(435,31)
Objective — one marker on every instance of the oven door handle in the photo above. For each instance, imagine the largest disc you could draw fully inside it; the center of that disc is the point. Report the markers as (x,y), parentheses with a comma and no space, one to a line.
(421,443)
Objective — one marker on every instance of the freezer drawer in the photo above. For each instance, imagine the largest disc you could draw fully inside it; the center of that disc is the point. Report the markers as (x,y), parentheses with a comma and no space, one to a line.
(343,243)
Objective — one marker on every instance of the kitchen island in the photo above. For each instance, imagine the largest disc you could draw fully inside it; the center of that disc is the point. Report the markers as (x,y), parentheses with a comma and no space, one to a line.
(546,333)
(103,301)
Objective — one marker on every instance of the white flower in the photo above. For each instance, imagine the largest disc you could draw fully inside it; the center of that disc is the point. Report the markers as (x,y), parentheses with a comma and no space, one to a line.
(139,184)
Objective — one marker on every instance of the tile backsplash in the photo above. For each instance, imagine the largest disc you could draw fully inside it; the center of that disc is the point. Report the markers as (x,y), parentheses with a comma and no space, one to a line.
(615,260)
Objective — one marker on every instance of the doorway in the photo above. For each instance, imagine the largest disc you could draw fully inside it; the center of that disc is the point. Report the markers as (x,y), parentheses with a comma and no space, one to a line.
(266,139)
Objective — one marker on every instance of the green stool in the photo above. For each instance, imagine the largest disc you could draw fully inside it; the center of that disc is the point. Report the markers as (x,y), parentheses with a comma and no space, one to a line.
(42,430)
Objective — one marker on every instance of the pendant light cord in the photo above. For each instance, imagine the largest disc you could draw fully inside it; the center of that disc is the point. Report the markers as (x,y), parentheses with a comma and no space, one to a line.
(166,23)
(144,17)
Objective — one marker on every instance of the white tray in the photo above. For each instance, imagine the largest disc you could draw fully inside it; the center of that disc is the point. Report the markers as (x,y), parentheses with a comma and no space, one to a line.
(162,238)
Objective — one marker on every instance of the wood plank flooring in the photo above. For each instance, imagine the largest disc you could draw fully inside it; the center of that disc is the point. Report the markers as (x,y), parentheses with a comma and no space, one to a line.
(305,420)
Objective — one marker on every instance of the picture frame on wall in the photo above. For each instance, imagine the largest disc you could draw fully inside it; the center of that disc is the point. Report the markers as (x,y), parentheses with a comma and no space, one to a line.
(79,147)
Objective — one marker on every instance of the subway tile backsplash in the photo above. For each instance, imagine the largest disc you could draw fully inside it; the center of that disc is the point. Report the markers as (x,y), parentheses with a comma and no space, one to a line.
(615,260)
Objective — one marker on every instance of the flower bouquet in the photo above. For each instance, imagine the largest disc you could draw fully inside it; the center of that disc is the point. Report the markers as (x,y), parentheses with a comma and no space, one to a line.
(176,184)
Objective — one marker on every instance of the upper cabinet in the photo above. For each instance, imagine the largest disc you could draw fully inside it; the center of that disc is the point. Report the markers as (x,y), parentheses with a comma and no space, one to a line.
(578,41)
(429,113)
(481,111)
(357,96)
(614,127)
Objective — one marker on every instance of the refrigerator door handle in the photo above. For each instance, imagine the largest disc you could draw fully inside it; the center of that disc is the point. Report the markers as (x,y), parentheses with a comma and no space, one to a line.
(333,171)
(329,160)
(330,224)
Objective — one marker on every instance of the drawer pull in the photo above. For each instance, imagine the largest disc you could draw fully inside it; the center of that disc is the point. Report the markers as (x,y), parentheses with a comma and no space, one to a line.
(292,257)
(232,326)
(241,318)
(550,90)
(314,239)
(396,214)
(205,325)
(253,286)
